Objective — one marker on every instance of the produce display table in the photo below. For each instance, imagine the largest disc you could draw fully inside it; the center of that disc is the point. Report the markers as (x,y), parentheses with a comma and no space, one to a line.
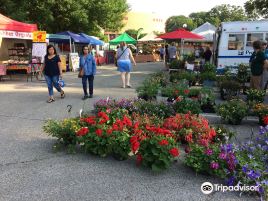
(144,58)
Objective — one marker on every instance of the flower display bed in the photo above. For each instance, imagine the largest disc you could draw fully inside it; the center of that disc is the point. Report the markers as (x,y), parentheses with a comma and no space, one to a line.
(155,132)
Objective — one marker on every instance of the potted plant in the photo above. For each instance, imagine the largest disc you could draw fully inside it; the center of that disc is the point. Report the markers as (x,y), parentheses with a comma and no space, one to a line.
(148,91)
(177,64)
(255,95)
(233,111)
(261,110)
(243,75)
(207,100)
(208,78)
(208,75)
(229,89)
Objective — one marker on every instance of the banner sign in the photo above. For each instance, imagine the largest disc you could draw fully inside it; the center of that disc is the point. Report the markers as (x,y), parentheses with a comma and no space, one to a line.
(16,34)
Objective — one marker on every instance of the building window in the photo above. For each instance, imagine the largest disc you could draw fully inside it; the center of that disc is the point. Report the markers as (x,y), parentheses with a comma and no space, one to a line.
(251,37)
(236,42)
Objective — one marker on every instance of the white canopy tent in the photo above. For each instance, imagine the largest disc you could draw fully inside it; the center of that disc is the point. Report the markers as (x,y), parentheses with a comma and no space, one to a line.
(206,30)
(150,37)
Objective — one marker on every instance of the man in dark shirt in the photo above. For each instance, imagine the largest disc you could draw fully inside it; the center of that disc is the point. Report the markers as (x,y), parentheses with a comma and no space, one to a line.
(256,65)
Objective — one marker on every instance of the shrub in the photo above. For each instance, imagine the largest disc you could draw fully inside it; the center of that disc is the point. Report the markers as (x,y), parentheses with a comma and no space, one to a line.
(233,111)
(186,105)
(255,95)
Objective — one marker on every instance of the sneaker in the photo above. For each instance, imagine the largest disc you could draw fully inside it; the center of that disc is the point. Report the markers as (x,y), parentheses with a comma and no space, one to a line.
(91,96)
(85,97)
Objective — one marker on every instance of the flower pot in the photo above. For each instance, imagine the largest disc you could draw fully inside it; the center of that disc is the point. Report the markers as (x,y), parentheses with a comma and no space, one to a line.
(208,108)
(208,83)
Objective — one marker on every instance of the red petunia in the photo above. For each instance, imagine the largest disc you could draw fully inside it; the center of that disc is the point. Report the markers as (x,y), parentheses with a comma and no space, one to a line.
(89,120)
(265,120)
(99,132)
(83,131)
(135,146)
(189,138)
(174,152)
(127,121)
(133,139)
(109,131)
(186,91)
(176,92)
(136,125)
(163,142)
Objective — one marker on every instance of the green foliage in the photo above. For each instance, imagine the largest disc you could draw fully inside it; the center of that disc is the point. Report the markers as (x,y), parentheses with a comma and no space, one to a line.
(176,22)
(177,64)
(218,14)
(157,156)
(201,162)
(223,135)
(158,109)
(228,13)
(183,75)
(255,95)
(243,73)
(136,34)
(200,18)
(233,111)
(78,16)
(148,90)
(186,105)
(257,8)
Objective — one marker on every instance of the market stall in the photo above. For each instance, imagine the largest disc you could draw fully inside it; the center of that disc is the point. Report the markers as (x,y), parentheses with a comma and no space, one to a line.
(77,41)
(148,48)
(15,46)
(96,43)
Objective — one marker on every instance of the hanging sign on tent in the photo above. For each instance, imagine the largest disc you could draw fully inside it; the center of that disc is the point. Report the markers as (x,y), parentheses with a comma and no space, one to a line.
(39,36)
(74,61)
(39,51)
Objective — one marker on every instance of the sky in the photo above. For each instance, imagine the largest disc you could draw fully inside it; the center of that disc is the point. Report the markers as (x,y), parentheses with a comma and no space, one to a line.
(167,8)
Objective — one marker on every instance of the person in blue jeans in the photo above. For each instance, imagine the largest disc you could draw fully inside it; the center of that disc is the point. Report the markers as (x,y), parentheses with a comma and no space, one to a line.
(52,72)
(88,63)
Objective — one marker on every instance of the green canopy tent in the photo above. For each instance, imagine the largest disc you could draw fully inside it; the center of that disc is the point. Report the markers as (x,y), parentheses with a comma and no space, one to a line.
(123,38)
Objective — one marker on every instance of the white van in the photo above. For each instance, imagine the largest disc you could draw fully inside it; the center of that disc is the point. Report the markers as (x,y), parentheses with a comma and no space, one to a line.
(234,44)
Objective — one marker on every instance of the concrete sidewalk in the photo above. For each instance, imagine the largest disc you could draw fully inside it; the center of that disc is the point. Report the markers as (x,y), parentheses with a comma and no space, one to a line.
(29,170)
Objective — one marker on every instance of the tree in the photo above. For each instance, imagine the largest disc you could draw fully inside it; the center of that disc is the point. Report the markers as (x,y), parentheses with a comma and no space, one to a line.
(136,34)
(176,22)
(227,13)
(200,18)
(87,16)
(257,8)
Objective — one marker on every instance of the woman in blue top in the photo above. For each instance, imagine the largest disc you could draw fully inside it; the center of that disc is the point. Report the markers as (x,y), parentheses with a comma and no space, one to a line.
(52,72)
(88,63)
(265,71)
(123,56)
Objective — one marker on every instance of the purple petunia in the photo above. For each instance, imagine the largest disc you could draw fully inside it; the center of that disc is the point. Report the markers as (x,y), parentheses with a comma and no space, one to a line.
(214,165)
(222,155)
(209,152)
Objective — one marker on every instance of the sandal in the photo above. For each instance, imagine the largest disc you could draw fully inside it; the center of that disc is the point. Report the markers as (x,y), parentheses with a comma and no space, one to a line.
(62,95)
(50,100)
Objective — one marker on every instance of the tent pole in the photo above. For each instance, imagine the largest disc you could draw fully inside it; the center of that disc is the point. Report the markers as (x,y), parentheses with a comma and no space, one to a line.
(70,44)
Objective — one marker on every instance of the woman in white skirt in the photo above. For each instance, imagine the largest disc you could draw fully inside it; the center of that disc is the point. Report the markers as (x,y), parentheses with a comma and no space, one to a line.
(124,57)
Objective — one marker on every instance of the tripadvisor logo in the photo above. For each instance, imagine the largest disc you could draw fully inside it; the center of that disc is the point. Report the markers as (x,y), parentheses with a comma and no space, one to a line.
(208,188)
